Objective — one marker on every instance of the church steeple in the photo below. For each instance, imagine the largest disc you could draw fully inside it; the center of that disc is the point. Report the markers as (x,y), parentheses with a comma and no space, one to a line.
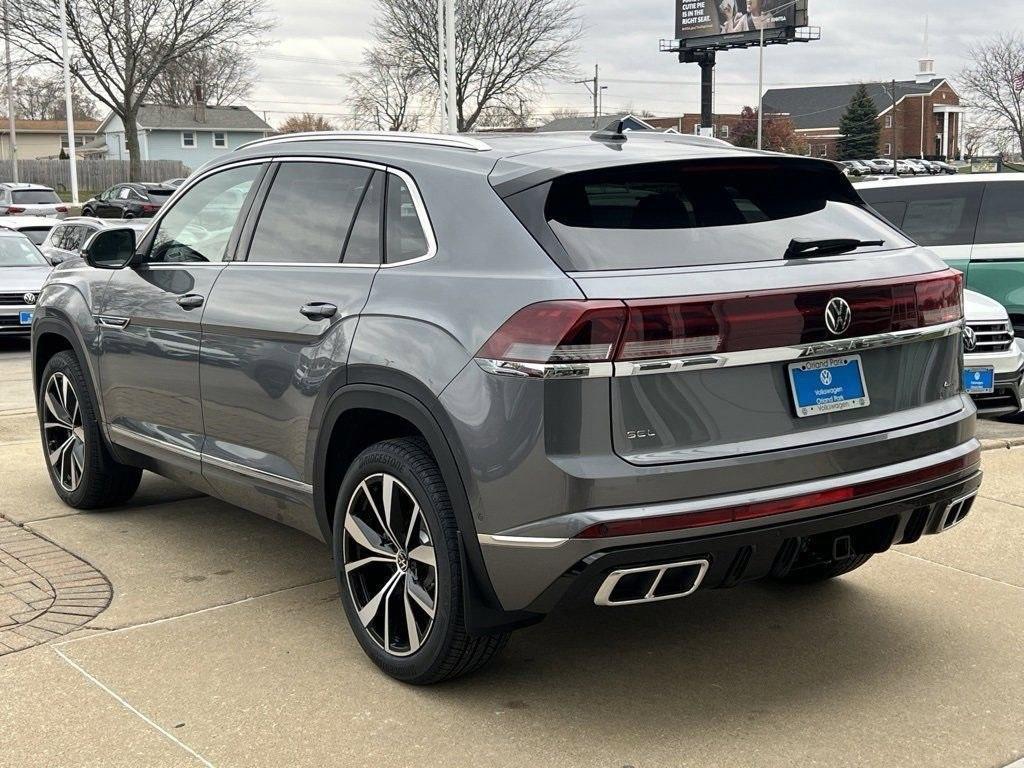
(926,64)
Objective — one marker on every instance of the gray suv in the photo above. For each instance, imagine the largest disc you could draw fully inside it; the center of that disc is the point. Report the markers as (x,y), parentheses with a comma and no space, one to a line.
(499,377)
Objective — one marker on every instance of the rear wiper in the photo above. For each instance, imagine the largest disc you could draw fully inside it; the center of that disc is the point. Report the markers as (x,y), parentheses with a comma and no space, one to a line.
(801,248)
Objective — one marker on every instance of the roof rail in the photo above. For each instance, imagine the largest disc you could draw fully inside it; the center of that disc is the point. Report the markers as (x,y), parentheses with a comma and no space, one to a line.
(404,137)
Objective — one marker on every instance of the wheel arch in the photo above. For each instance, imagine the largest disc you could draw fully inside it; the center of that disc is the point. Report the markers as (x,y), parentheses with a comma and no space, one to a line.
(383,412)
(53,334)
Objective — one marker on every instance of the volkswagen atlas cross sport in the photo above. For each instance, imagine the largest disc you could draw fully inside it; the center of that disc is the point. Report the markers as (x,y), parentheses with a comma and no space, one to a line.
(498,377)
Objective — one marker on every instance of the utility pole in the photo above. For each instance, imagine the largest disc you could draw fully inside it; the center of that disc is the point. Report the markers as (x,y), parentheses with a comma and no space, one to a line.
(442,100)
(760,91)
(895,154)
(453,115)
(68,107)
(594,87)
(13,133)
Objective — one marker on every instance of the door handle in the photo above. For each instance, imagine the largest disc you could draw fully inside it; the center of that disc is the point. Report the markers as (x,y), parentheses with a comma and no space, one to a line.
(191,301)
(318,310)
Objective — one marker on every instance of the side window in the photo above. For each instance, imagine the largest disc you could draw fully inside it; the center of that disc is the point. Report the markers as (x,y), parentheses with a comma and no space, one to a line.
(364,240)
(110,194)
(936,214)
(1002,214)
(57,236)
(199,225)
(892,211)
(73,238)
(308,213)
(405,237)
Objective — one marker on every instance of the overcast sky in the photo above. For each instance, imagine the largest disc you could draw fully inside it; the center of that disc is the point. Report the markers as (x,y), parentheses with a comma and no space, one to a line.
(318,41)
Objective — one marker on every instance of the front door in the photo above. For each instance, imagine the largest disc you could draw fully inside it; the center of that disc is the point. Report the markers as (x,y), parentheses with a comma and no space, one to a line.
(277,331)
(150,321)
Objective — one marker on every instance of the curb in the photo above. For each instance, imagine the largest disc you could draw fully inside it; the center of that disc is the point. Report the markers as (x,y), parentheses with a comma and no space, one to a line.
(997,444)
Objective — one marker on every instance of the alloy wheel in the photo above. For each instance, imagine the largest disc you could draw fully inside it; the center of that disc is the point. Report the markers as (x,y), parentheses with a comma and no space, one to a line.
(63,431)
(390,564)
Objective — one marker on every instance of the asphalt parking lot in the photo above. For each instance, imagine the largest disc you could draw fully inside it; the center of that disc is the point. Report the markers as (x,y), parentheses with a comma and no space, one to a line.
(220,641)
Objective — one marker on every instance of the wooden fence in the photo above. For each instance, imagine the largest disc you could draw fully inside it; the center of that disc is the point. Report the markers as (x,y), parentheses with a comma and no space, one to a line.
(93,175)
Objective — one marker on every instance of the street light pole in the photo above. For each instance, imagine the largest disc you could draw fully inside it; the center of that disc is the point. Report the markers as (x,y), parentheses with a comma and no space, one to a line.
(68,107)
(760,90)
(453,117)
(442,101)
(13,131)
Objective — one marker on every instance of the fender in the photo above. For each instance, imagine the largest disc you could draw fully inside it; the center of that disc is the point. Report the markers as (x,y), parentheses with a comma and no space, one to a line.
(56,323)
(484,614)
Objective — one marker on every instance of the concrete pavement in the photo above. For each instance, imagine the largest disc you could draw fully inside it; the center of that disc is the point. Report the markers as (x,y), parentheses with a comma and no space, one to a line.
(224,644)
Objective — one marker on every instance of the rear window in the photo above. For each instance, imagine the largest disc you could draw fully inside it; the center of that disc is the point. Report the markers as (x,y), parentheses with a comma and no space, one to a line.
(690,214)
(34,196)
(931,214)
(36,234)
(159,192)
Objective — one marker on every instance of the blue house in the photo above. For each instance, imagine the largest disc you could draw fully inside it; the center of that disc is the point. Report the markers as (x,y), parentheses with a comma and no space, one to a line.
(191,134)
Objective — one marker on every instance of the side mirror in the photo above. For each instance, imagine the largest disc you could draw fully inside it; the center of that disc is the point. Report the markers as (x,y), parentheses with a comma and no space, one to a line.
(110,248)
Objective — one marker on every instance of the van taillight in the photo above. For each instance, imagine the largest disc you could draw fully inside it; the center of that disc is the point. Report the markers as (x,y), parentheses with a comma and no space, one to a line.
(576,331)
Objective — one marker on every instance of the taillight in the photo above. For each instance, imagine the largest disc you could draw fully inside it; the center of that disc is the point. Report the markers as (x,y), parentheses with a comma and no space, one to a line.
(147,208)
(685,520)
(15,209)
(61,209)
(559,332)
(585,331)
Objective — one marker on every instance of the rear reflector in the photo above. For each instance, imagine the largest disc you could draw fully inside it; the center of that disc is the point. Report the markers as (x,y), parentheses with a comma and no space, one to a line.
(649,329)
(682,521)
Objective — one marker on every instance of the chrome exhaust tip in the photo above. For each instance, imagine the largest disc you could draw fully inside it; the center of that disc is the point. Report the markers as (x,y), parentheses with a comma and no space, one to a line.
(956,511)
(651,583)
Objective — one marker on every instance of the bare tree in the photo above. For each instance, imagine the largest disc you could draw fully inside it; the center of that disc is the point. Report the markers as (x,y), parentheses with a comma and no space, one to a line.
(561,112)
(225,74)
(386,95)
(120,47)
(506,116)
(504,48)
(307,121)
(41,97)
(994,84)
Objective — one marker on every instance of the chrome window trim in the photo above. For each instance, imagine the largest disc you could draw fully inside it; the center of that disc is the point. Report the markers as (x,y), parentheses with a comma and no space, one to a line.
(718,360)
(399,137)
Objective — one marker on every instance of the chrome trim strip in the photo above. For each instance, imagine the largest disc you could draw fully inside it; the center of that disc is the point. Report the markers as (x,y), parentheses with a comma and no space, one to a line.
(832,348)
(129,434)
(531,542)
(258,474)
(604,593)
(112,321)
(400,137)
(546,370)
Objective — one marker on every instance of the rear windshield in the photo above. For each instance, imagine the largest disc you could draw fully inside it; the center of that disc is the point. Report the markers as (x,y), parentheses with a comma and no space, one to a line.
(36,234)
(689,214)
(34,196)
(159,191)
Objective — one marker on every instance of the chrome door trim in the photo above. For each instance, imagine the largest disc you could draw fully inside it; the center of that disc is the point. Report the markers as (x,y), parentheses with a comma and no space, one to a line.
(112,321)
(718,360)
(258,474)
(130,434)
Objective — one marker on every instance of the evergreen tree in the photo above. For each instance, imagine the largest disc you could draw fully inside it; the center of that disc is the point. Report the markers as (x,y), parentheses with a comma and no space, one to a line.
(859,127)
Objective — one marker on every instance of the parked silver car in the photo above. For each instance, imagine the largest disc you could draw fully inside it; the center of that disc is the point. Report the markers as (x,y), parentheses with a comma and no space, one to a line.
(23,271)
(30,200)
(65,241)
(993,363)
(36,228)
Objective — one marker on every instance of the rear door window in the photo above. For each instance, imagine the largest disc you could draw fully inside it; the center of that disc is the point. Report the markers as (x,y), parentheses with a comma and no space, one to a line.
(936,214)
(697,213)
(308,213)
(1002,214)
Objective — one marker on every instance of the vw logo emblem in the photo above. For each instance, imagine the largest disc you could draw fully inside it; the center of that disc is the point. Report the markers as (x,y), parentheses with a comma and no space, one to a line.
(29,298)
(826,376)
(838,316)
(970,339)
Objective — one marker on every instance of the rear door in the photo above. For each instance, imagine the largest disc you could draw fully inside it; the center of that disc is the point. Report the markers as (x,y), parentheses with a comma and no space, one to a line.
(150,321)
(278,329)
(997,261)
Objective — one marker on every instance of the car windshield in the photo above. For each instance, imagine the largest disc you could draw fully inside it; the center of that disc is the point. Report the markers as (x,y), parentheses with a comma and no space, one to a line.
(19,252)
(35,196)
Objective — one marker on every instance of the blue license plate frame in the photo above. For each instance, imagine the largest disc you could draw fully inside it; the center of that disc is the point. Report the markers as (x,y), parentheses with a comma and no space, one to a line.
(979,380)
(828,385)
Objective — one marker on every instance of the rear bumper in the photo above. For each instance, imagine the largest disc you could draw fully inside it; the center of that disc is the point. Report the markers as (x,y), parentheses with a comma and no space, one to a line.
(755,554)
(533,573)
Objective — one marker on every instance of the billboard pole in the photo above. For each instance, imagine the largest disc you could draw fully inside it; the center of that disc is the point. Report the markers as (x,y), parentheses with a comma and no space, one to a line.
(706,60)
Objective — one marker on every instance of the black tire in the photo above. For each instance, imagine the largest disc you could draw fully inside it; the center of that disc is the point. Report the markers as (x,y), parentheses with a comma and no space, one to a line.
(445,650)
(824,571)
(87,212)
(101,481)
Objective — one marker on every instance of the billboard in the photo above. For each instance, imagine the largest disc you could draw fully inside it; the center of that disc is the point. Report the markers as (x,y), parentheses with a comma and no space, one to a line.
(716,18)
